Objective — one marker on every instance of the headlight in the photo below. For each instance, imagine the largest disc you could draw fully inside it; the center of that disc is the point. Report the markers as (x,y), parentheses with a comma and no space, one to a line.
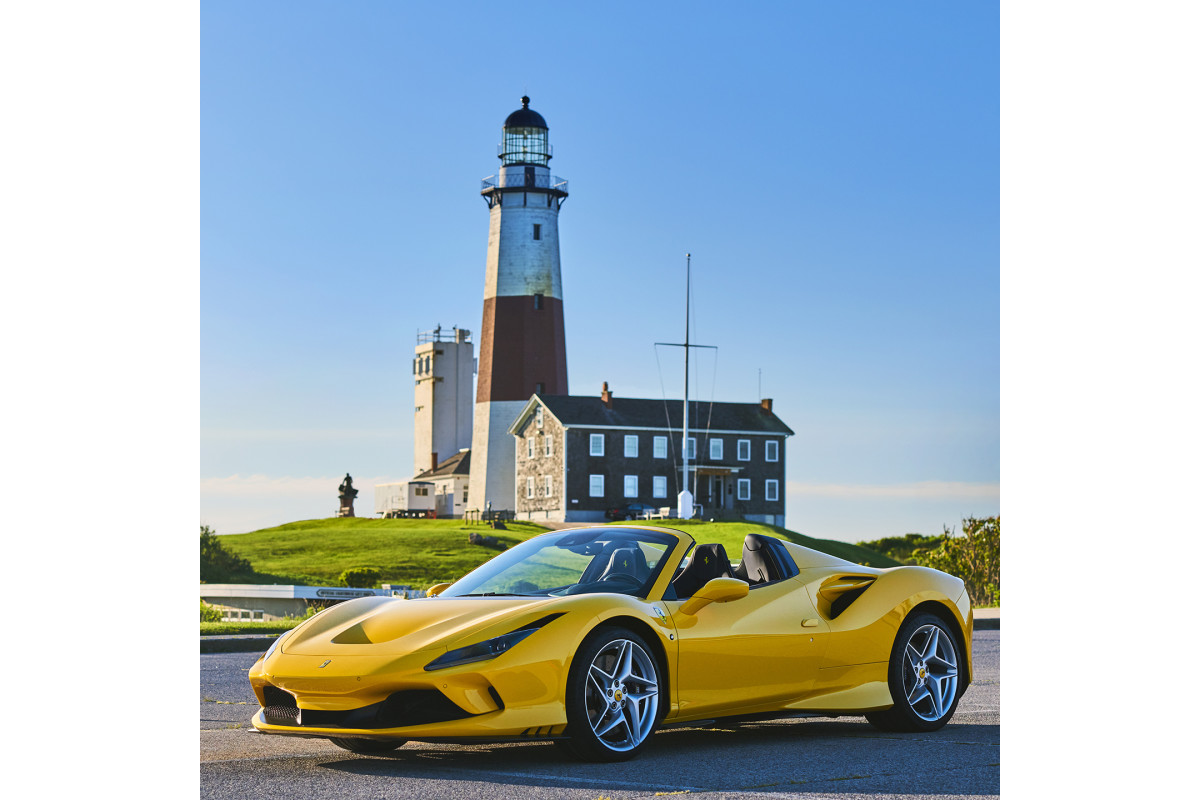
(479,652)
(275,644)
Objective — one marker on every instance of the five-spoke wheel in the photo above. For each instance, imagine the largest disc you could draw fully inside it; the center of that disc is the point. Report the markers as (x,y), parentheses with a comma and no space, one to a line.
(922,676)
(612,697)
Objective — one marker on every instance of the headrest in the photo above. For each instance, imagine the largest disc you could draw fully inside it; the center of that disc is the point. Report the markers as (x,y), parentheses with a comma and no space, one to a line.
(628,561)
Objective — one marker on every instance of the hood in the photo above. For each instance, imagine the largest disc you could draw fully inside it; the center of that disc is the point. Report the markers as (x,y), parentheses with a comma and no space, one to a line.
(379,625)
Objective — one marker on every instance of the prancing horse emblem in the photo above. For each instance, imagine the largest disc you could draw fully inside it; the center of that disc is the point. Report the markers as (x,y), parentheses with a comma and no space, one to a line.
(326,664)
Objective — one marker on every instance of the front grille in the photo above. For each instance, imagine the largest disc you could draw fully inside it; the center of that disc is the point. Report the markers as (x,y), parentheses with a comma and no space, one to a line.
(406,707)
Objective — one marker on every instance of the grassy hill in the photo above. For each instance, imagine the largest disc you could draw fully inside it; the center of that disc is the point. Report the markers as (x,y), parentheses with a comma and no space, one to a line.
(422,552)
(732,534)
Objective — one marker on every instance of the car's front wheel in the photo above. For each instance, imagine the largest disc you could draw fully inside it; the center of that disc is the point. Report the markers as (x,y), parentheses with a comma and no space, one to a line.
(367,747)
(922,676)
(612,696)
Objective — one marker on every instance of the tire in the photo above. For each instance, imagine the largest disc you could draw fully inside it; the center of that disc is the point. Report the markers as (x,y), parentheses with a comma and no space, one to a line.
(369,747)
(612,696)
(922,677)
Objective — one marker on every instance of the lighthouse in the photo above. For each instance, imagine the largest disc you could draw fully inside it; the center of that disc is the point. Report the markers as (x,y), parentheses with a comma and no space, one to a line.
(522,343)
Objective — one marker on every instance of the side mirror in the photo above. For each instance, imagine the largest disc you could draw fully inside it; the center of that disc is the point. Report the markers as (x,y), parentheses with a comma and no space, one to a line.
(434,591)
(718,590)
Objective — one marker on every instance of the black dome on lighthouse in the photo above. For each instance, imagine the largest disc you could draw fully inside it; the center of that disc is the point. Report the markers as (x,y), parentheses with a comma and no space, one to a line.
(525,117)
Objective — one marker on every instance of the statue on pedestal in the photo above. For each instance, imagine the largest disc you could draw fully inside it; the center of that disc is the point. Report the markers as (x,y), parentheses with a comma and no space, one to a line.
(347,493)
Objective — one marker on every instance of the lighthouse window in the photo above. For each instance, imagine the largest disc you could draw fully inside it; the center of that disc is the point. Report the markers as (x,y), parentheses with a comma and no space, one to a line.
(539,302)
(537,232)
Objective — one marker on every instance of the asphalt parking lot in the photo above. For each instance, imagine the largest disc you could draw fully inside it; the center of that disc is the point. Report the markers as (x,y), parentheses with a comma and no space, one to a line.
(841,758)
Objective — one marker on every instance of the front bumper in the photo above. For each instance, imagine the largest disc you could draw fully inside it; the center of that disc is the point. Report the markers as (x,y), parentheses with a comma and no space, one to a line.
(395,698)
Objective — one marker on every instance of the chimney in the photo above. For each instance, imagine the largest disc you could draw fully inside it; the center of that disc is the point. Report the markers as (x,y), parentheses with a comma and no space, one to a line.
(606,396)
(766,404)
(433,462)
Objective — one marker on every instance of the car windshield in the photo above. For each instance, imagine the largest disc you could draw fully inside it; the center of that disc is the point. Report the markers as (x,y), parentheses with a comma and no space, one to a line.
(579,561)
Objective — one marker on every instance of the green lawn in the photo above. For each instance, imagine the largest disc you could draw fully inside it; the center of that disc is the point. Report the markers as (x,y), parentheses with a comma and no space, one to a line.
(422,552)
(732,534)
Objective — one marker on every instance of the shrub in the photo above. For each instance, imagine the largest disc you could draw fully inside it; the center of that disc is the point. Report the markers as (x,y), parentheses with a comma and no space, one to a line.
(217,564)
(209,613)
(359,577)
(974,557)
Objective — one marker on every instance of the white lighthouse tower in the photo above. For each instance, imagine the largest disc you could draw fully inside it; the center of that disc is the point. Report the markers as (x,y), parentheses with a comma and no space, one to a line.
(522,345)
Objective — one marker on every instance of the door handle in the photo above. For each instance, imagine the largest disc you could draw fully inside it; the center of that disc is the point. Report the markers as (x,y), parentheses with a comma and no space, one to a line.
(808,623)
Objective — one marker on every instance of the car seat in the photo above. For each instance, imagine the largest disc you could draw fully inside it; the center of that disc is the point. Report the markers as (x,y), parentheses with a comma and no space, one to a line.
(759,564)
(629,561)
(708,561)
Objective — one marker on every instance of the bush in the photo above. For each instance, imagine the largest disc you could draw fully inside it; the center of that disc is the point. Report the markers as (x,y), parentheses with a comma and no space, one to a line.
(974,557)
(209,613)
(359,577)
(218,565)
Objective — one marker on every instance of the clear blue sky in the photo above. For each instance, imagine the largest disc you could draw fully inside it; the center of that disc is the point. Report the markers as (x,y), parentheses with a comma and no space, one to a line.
(832,168)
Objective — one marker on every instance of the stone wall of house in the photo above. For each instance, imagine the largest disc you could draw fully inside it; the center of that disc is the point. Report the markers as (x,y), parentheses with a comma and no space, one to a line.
(535,500)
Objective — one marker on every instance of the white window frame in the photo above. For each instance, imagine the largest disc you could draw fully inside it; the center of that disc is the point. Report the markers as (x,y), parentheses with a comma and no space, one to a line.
(529,487)
(631,485)
(772,449)
(772,491)
(743,484)
(529,448)
(743,444)
(660,486)
(631,445)
(549,479)
(716,449)
(538,416)
(595,486)
(660,447)
(549,446)
(596,444)
(690,448)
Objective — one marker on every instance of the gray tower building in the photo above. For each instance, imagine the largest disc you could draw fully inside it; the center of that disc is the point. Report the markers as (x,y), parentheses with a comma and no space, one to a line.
(444,371)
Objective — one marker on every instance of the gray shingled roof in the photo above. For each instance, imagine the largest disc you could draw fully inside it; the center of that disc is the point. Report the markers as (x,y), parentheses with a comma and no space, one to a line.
(457,464)
(634,412)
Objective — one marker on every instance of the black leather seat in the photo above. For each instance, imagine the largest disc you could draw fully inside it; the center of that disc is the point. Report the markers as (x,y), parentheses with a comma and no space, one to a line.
(627,561)
(708,561)
(599,564)
(759,564)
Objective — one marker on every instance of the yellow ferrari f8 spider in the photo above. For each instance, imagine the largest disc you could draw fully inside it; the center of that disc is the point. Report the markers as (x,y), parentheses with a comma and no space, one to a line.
(596,637)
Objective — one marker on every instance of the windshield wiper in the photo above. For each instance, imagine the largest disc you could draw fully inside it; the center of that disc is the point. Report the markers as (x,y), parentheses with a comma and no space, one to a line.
(495,594)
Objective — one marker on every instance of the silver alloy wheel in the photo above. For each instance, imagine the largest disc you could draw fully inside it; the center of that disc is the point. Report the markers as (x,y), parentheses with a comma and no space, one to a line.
(621,695)
(930,672)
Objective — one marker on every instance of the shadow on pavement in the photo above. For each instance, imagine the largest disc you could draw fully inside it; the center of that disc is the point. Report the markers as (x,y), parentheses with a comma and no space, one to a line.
(845,756)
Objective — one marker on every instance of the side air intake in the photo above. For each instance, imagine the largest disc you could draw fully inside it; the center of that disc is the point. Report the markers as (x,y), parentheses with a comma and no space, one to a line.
(837,593)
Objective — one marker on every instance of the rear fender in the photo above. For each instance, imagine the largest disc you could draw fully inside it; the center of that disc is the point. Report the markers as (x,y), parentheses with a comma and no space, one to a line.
(865,631)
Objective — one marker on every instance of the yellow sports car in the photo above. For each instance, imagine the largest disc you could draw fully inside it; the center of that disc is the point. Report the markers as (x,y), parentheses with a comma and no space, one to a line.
(596,637)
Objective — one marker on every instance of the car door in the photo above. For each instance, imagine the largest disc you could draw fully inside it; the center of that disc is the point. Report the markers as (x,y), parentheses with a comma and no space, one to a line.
(748,655)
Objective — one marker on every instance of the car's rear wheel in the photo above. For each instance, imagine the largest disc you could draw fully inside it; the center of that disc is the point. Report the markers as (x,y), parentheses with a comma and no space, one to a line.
(612,696)
(368,747)
(922,676)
